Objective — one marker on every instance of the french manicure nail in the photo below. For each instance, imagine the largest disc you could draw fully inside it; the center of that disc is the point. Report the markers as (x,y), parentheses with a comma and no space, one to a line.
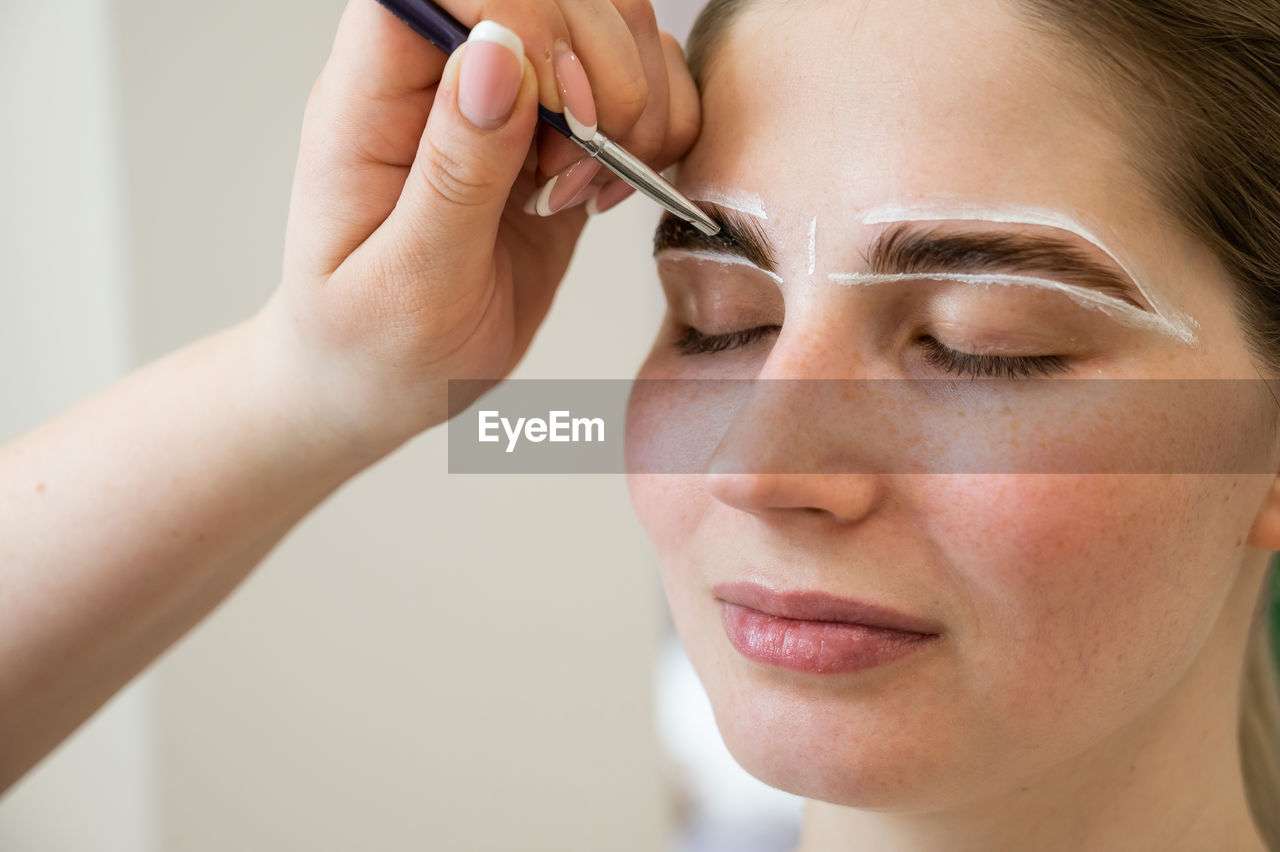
(564,190)
(570,184)
(575,91)
(610,195)
(489,80)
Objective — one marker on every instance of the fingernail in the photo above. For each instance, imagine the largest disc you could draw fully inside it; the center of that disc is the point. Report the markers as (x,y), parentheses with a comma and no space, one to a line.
(610,195)
(489,80)
(565,189)
(575,91)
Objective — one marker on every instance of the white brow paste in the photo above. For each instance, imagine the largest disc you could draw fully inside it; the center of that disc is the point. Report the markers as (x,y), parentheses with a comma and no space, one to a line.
(717,257)
(1115,308)
(813,245)
(1178,324)
(733,199)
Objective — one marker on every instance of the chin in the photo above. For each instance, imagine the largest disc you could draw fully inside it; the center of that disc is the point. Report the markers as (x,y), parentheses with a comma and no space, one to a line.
(876,740)
(801,745)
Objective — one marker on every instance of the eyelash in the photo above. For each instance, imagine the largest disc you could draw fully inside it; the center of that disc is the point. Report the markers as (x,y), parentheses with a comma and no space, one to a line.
(990,366)
(694,342)
(937,354)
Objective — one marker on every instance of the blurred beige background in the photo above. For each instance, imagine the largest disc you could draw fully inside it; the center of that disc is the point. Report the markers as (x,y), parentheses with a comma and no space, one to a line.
(333,703)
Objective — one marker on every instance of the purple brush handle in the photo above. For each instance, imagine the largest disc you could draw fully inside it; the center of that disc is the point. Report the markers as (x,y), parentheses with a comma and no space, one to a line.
(448,33)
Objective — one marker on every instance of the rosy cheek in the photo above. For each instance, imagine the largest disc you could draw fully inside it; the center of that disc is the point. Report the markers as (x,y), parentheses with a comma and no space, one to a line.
(1071,589)
(1045,542)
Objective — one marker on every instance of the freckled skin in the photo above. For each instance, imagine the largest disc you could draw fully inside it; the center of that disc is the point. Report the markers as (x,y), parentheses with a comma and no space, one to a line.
(1090,614)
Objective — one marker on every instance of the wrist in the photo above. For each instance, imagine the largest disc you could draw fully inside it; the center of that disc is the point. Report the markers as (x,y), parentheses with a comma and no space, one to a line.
(336,414)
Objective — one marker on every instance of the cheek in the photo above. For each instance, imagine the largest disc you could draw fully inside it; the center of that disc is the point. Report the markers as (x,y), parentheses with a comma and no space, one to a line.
(654,491)
(661,502)
(670,422)
(668,507)
(1083,593)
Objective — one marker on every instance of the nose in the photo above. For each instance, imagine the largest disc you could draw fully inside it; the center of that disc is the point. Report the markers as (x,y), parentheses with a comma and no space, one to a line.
(800,445)
(841,498)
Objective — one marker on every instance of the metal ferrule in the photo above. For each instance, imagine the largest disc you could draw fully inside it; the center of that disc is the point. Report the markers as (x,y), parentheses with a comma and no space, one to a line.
(644,179)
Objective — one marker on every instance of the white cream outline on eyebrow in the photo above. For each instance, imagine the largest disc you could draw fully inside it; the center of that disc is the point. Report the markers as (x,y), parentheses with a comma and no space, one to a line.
(813,245)
(1115,308)
(1176,323)
(723,258)
(740,200)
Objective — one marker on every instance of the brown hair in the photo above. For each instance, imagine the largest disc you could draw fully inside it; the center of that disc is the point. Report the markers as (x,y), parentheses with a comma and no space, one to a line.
(1200,82)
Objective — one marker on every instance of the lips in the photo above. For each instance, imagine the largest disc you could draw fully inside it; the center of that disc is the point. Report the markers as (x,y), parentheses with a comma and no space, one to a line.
(813,606)
(817,633)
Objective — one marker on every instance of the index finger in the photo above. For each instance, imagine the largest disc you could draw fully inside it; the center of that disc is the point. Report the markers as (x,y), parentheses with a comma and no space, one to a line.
(361,129)
(380,57)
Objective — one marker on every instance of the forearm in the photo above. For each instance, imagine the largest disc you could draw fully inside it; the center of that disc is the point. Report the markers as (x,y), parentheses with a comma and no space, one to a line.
(127,519)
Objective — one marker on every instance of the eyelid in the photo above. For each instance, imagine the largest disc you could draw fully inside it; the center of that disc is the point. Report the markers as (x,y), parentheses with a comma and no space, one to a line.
(1008,332)
(707,256)
(1118,310)
(694,342)
(979,365)
(721,302)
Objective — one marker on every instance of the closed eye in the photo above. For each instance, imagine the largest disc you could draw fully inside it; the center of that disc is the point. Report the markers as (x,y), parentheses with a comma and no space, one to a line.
(939,355)
(694,342)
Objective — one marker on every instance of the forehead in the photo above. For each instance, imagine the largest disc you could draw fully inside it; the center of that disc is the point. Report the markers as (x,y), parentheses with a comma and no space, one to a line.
(828,108)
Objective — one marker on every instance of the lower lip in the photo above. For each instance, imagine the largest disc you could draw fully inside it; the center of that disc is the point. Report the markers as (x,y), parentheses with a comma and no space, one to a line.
(815,647)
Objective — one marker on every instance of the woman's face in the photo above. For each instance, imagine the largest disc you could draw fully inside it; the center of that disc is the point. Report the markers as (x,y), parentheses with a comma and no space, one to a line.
(1064,604)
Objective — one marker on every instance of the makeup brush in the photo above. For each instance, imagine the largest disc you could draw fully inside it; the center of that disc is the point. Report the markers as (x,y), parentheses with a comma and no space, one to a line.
(448,34)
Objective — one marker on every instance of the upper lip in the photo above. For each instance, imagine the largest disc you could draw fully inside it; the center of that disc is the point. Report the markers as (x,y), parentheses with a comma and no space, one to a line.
(820,606)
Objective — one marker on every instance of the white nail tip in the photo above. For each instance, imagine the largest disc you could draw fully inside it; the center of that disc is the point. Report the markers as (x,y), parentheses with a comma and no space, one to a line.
(496,33)
(543,202)
(582,131)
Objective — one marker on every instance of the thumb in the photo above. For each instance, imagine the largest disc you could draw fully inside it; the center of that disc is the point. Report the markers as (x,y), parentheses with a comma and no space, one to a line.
(475,145)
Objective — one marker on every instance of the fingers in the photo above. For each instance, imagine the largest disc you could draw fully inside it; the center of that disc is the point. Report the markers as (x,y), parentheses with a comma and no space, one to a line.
(366,115)
(612,75)
(379,57)
(683,124)
(539,23)
(365,121)
(611,54)
(639,125)
(685,107)
(361,129)
(643,98)
(445,227)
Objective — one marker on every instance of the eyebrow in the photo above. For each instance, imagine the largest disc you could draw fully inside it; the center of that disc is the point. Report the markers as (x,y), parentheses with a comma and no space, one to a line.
(739,236)
(908,248)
